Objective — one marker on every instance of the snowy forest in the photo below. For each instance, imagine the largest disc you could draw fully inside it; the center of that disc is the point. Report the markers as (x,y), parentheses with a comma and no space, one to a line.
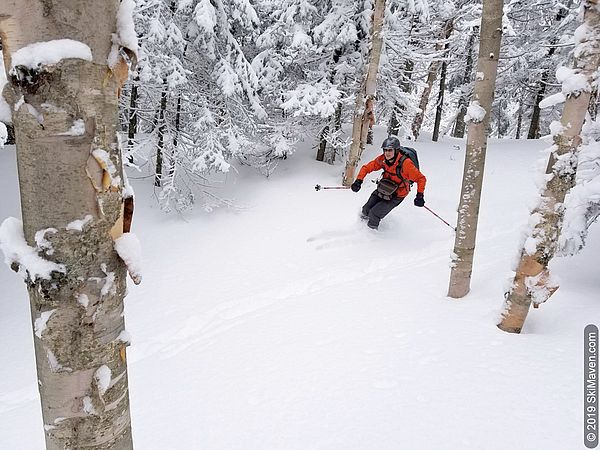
(190,261)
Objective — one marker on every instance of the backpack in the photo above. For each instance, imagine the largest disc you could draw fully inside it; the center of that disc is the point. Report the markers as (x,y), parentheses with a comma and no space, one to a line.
(407,153)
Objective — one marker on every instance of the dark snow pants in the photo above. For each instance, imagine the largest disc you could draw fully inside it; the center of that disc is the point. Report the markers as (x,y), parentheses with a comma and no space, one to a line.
(377,208)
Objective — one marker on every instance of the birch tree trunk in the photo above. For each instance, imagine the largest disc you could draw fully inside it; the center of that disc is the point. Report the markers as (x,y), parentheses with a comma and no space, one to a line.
(532,276)
(483,96)
(360,126)
(69,163)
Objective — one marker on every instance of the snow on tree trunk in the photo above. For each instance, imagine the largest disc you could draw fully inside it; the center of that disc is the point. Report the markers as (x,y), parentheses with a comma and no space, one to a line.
(532,280)
(479,113)
(64,97)
(360,126)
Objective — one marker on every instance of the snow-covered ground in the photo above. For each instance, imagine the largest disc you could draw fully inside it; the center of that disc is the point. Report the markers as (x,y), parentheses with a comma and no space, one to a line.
(286,324)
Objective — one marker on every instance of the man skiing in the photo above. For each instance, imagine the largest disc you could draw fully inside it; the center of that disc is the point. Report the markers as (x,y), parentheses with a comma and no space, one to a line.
(398,173)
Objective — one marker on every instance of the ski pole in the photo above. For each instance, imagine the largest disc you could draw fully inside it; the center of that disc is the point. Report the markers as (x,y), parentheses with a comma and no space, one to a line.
(439,217)
(318,187)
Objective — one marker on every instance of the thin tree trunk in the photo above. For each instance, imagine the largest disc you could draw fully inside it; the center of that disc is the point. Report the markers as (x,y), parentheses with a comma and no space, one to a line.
(160,145)
(324,135)
(175,135)
(394,125)
(418,120)
(483,94)
(337,126)
(440,101)
(593,106)
(532,276)
(534,127)
(322,143)
(431,76)
(70,169)
(405,85)
(360,126)
(519,120)
(459,125)
(133,117)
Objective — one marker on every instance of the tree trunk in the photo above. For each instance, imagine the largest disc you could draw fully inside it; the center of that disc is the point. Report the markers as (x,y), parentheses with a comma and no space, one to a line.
(519,120)
(337,126)
(431,76)
(69,168)
(10,138)
(534,127)
(394,125)
(133,117)
(592,108)
(176,135)
(532,277)
(324,135)
(360,126)
(483,94)
(160,144)
(322,143)
(459,125)
(440,101)
(418,120)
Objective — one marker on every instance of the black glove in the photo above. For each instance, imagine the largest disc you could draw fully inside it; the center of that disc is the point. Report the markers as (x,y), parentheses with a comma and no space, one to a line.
(419,199)
(356,185)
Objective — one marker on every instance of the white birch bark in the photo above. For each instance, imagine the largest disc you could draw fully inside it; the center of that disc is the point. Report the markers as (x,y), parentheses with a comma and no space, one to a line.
(69,163)
(532,278)
(360,127)
(483,94)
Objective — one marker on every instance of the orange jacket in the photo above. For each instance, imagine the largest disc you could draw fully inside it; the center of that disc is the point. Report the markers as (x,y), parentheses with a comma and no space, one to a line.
(408,172)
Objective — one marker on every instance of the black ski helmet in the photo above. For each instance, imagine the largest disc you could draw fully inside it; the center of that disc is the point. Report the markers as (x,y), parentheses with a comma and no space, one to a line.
(392,142)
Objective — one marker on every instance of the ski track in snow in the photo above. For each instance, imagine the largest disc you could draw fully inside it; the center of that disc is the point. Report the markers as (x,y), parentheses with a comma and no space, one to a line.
(290,325)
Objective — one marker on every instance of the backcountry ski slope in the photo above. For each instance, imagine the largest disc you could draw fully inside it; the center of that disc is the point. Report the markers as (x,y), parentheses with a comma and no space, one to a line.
(286,324)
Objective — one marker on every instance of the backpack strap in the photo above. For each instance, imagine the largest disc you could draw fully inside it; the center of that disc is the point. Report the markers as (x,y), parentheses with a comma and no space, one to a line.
(403,158)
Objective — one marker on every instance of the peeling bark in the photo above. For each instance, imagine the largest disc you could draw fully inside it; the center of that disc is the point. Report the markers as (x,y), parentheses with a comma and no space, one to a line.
(361,122)
(531,276)
(63,178)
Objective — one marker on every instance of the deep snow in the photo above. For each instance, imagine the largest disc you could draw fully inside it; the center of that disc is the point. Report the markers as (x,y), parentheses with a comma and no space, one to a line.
(286,324)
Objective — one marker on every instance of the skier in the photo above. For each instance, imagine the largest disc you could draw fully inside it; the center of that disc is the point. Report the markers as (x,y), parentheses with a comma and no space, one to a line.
(394,185)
